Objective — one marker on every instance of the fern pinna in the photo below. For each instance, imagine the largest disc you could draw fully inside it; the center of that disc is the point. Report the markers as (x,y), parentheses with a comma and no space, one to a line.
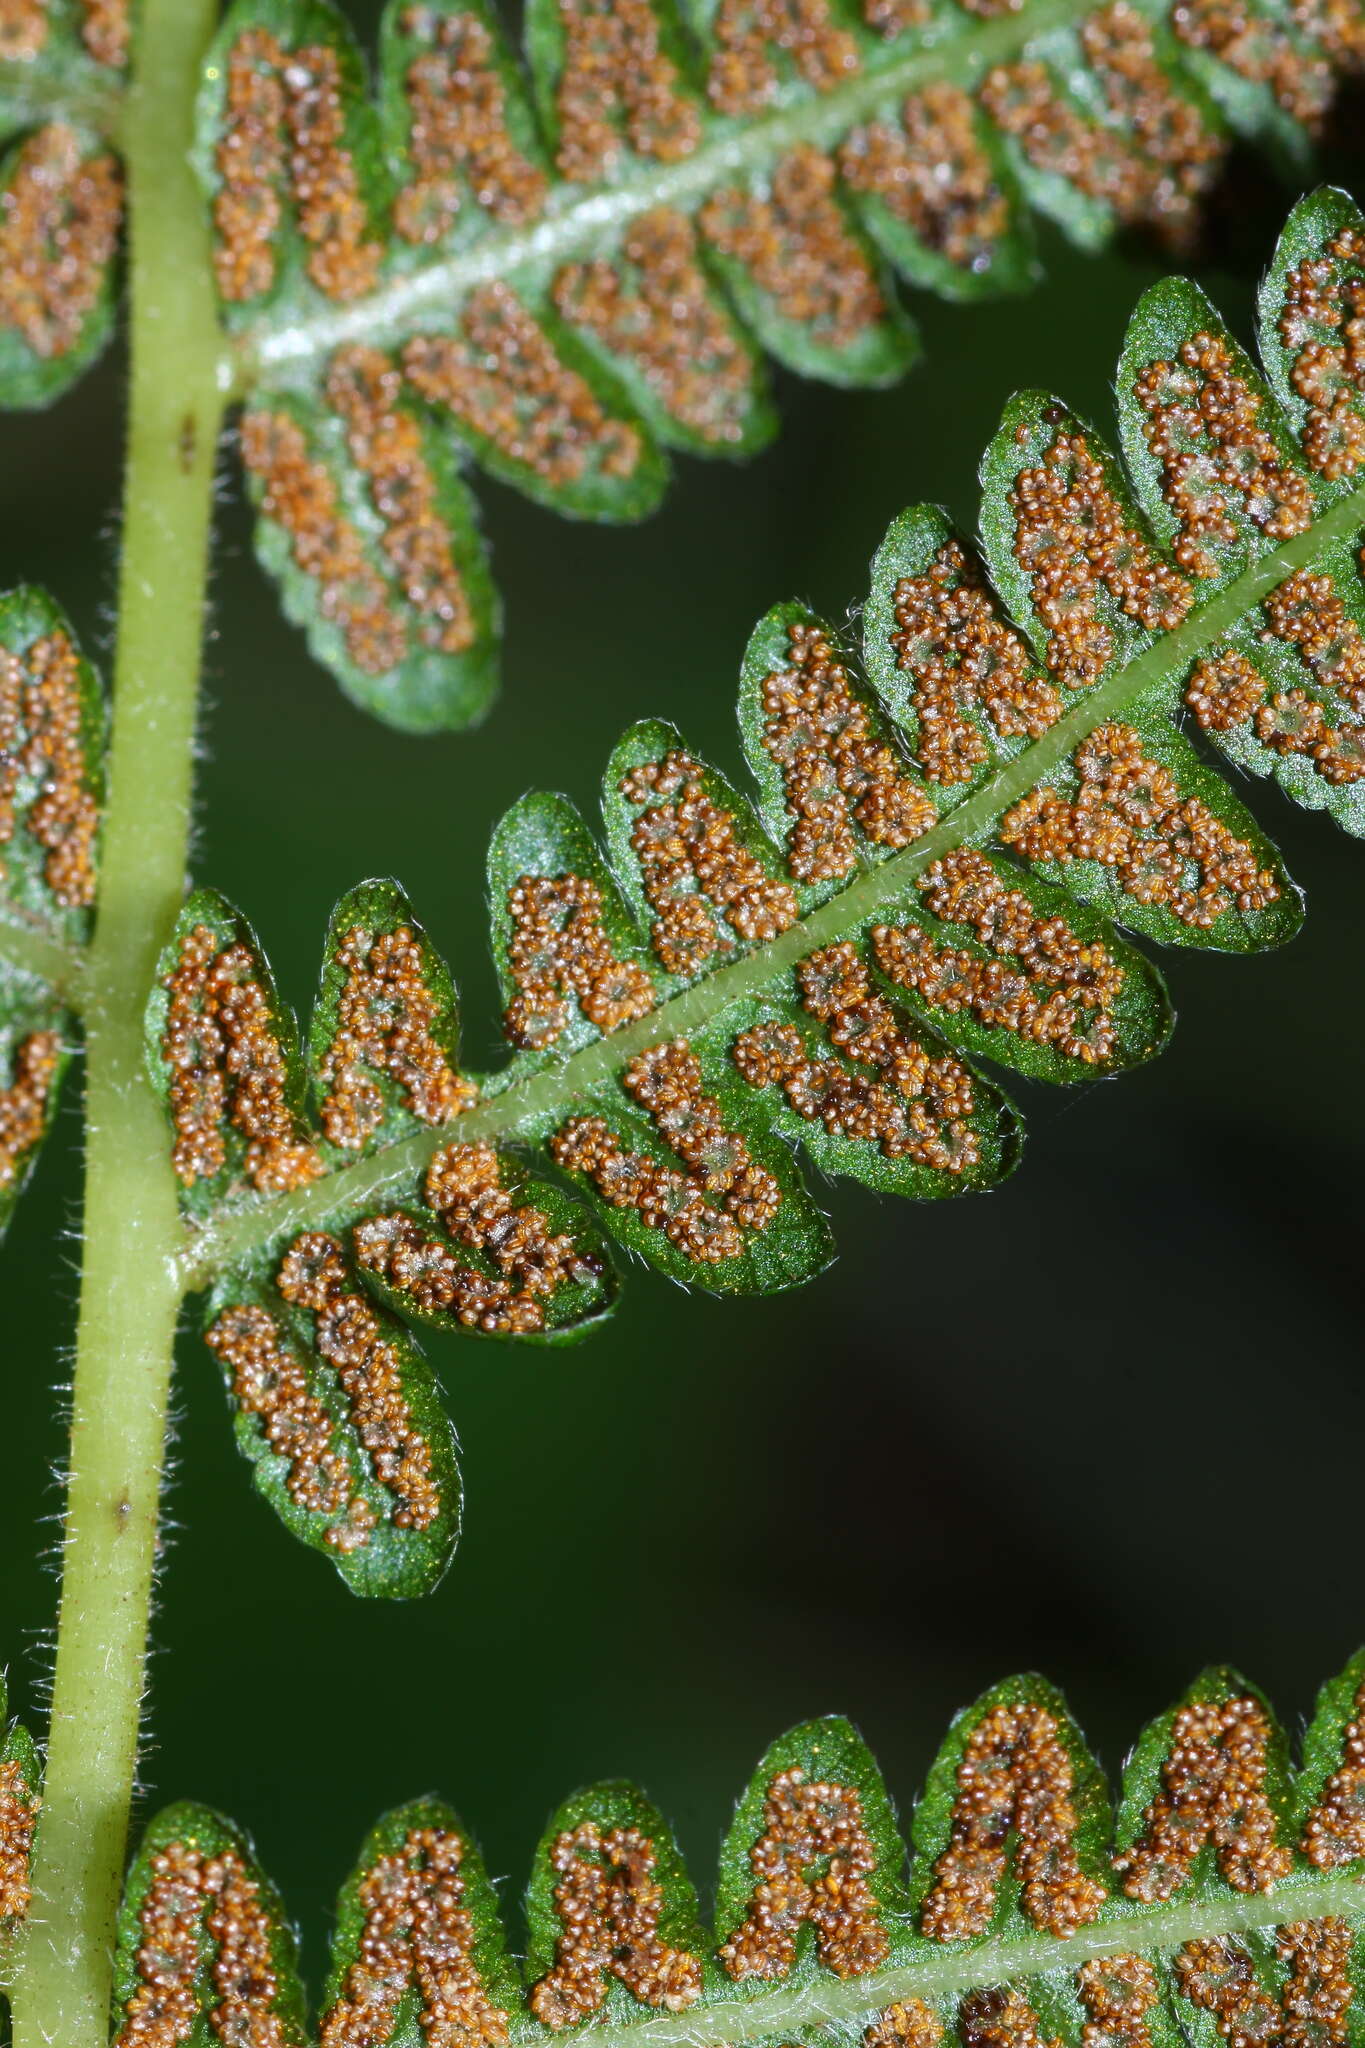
(559,285)
(936,873)
(1221,1900)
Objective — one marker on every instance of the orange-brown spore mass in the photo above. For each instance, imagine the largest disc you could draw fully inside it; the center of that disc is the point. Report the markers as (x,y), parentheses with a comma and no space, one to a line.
(930,168)
(503,379)
(1337,26)
(270,1380)
(1219,1977)
(1001,2019)
(24,1105)
(23,30)
(747,35)
(962,657)
(1150,161)
(1177,152)
(1318,1992)
(608,1902)
(300,494)
(26,1102)
(1117,1993)
(811,1864)
(202,1910)
(559,953)
(913,1104)
(1024,100)
(1052,988)
(1217,457)
(890,18)
(42,744)
(1157,158)
(105,30)
(284,127)
(1306,611)
(385,442)
(18,1818)
(1322,326)
(704,1211)
(1213,1783)
(654,307)
(464,1185)
(908,2024)
(458,137)
(386,1016)
(59,220)
(1072,539)
(351,1338)
(1256,45)
(228,1068)
(418,1935)
(1128,814)
(1015,1779)
(695,868)
(1334,1832)
(1224,689)
(797,248)
(618,83)
(836,774)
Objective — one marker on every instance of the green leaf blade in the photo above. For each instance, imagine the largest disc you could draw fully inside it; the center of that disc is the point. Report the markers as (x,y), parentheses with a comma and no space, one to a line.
(338,1413)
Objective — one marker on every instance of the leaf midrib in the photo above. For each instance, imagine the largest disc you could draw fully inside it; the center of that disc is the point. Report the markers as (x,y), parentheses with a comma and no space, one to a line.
(514,1103)
(853,2002)
(581,220)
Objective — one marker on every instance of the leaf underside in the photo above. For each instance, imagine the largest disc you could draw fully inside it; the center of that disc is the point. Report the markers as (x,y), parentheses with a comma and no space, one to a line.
(560,269)
(935,878)
(1220,1899)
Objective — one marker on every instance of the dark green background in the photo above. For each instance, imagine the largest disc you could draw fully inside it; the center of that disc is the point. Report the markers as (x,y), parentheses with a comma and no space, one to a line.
(1107,1422)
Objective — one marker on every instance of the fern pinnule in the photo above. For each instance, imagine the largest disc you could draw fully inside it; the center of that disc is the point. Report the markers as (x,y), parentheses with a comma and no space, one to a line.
(1220,1897)
(560,277)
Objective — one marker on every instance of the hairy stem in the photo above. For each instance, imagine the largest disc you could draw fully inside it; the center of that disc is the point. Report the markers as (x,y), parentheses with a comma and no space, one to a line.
(129,1293)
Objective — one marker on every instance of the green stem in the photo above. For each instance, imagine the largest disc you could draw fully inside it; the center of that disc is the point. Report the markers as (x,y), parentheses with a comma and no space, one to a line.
(129,1293)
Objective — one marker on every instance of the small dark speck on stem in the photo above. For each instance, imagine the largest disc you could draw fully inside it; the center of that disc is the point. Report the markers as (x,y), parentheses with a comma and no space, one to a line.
(189,442)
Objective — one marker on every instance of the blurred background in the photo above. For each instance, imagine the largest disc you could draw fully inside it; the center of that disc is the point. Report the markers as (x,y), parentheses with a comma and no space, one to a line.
(1107,1422)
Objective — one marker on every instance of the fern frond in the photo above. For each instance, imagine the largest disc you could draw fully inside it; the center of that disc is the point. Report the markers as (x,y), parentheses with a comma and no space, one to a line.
(565,284)
(937,871)
(559,278)
(1219,1900)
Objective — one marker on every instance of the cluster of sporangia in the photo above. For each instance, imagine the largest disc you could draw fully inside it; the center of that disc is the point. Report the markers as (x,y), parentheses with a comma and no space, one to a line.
(62,200)
(415,1937)
(47,803)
